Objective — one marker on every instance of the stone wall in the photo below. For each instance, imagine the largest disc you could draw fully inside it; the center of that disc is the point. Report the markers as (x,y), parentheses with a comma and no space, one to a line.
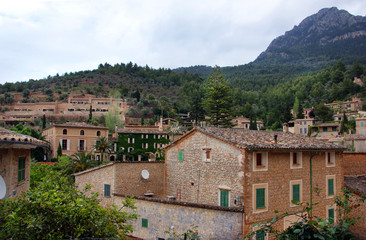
(354,163)
(125,178)
(163,216)
(200,181)
(359,230)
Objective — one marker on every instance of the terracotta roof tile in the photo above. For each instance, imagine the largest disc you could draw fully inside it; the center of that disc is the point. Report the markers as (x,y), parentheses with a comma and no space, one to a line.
(77,124)
(252,139)
(7,136)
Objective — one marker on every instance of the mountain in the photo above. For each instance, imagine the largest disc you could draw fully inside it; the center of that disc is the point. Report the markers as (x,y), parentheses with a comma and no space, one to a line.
(328,35)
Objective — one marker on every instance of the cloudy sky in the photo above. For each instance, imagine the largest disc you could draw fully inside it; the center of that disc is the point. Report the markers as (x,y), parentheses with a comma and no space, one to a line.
(44,37)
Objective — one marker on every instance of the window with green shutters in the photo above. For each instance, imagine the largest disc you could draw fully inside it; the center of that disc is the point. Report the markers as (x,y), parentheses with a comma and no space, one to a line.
(21,169)
(260,234)
(330,186)
(224,198)
(180,156)
(107,190)
(260,198)
(296,192)
(331,215)
(144,223)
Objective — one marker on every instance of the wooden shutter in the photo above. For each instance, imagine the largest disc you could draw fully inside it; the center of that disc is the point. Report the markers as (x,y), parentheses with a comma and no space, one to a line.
(68,144)
(260,198)
(330,186)
(224,198)
(296,192)
(21,169)
(180,156)
(331,215)
(144,223)
(107,190)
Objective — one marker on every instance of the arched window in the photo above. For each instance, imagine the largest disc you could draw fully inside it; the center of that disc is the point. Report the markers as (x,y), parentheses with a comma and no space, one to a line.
(98,133)
(64,132)
(81,132)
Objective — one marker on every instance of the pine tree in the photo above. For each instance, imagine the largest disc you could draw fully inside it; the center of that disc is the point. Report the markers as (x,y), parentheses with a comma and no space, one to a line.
(218,102)
(300,113)
(59,151)
(44,121)
(90,114)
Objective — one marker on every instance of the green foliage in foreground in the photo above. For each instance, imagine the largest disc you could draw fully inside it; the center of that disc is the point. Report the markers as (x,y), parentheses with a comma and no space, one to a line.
(54,209)
(310,227)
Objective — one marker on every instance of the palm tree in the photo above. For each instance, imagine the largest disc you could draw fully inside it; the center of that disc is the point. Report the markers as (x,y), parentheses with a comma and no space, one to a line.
(82,161)
(103,145)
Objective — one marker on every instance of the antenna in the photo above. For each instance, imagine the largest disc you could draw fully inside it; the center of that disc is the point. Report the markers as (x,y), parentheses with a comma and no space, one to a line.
(2,188)
(145,174)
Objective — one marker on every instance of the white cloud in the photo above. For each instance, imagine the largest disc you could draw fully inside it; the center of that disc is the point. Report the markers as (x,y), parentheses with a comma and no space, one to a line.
(42,37)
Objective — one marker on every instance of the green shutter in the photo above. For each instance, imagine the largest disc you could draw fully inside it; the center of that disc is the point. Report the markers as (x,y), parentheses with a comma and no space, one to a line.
(296,192)
(21,169)
(224,198)
(180,156)
(260,198)
(260,234)
(330,186)
(144,223)
(331,215)
(107,190)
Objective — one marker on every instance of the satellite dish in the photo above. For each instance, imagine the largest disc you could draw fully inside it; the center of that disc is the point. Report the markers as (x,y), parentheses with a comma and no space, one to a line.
(2,188)
(145,174)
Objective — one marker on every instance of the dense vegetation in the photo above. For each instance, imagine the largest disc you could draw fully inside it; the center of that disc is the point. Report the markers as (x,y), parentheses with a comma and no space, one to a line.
(269,96)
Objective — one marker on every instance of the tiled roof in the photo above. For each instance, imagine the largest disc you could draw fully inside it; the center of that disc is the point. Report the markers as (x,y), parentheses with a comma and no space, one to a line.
(350,137)
(77,125)
(7,136)
(141,131)
(252,139)
(328,124)
(356,183)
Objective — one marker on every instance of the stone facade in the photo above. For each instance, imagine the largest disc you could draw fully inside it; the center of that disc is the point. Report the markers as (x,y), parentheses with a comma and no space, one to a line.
(164,216)
(73,137)
(354,163)
(124,177)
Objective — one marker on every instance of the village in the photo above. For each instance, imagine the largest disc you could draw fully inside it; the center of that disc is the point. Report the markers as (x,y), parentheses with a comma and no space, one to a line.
(220,182)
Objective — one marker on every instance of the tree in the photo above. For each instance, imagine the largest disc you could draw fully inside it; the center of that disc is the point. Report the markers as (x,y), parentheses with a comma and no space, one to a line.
(82,161)
(59,150)
(344,123)
(54,209)
(287,116)
(103,145)
(44,121)
(218,101)
(90,114)
(323,113)
(253,124)
(300,112)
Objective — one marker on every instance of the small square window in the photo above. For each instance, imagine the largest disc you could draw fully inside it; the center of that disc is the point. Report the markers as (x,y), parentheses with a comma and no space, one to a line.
(330,159)
(206,154)
(107,190)
(295,160)
(224,198)
(144,223)
(260,161)
(180,156)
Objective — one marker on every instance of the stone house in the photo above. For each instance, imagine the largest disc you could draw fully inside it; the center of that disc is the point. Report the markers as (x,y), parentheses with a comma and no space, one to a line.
(326,129)
(353,105)
(15,158)
(257,170)
(299,126)
(231,178)
(73,138)
(243,122)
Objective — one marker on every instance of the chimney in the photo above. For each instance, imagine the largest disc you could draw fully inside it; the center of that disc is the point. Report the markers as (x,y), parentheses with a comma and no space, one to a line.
(161,124)
(275,139)
(285,127)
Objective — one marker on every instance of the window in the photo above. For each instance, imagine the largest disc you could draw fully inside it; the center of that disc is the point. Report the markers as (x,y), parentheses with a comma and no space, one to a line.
(224,198)
(330,186)
(131,140)
(305,130)
(82,145)
(330,159)
(130,149)
(145,145)
(155,145)
(260,199)
(65,144)
(81,132)
(207,154)
(362,123)
(300,130)
(295,192)
(362,132)
(144,223)
(295,160)
(180,156)
(331,214)
(97,157)
(107,190)
(260,161)
(21,169)
(144,136)
(98,133)
(64,132)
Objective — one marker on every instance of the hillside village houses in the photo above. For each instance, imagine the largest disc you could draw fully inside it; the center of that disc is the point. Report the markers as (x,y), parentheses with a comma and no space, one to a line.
(223,181)
(15,158)
(73,109)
